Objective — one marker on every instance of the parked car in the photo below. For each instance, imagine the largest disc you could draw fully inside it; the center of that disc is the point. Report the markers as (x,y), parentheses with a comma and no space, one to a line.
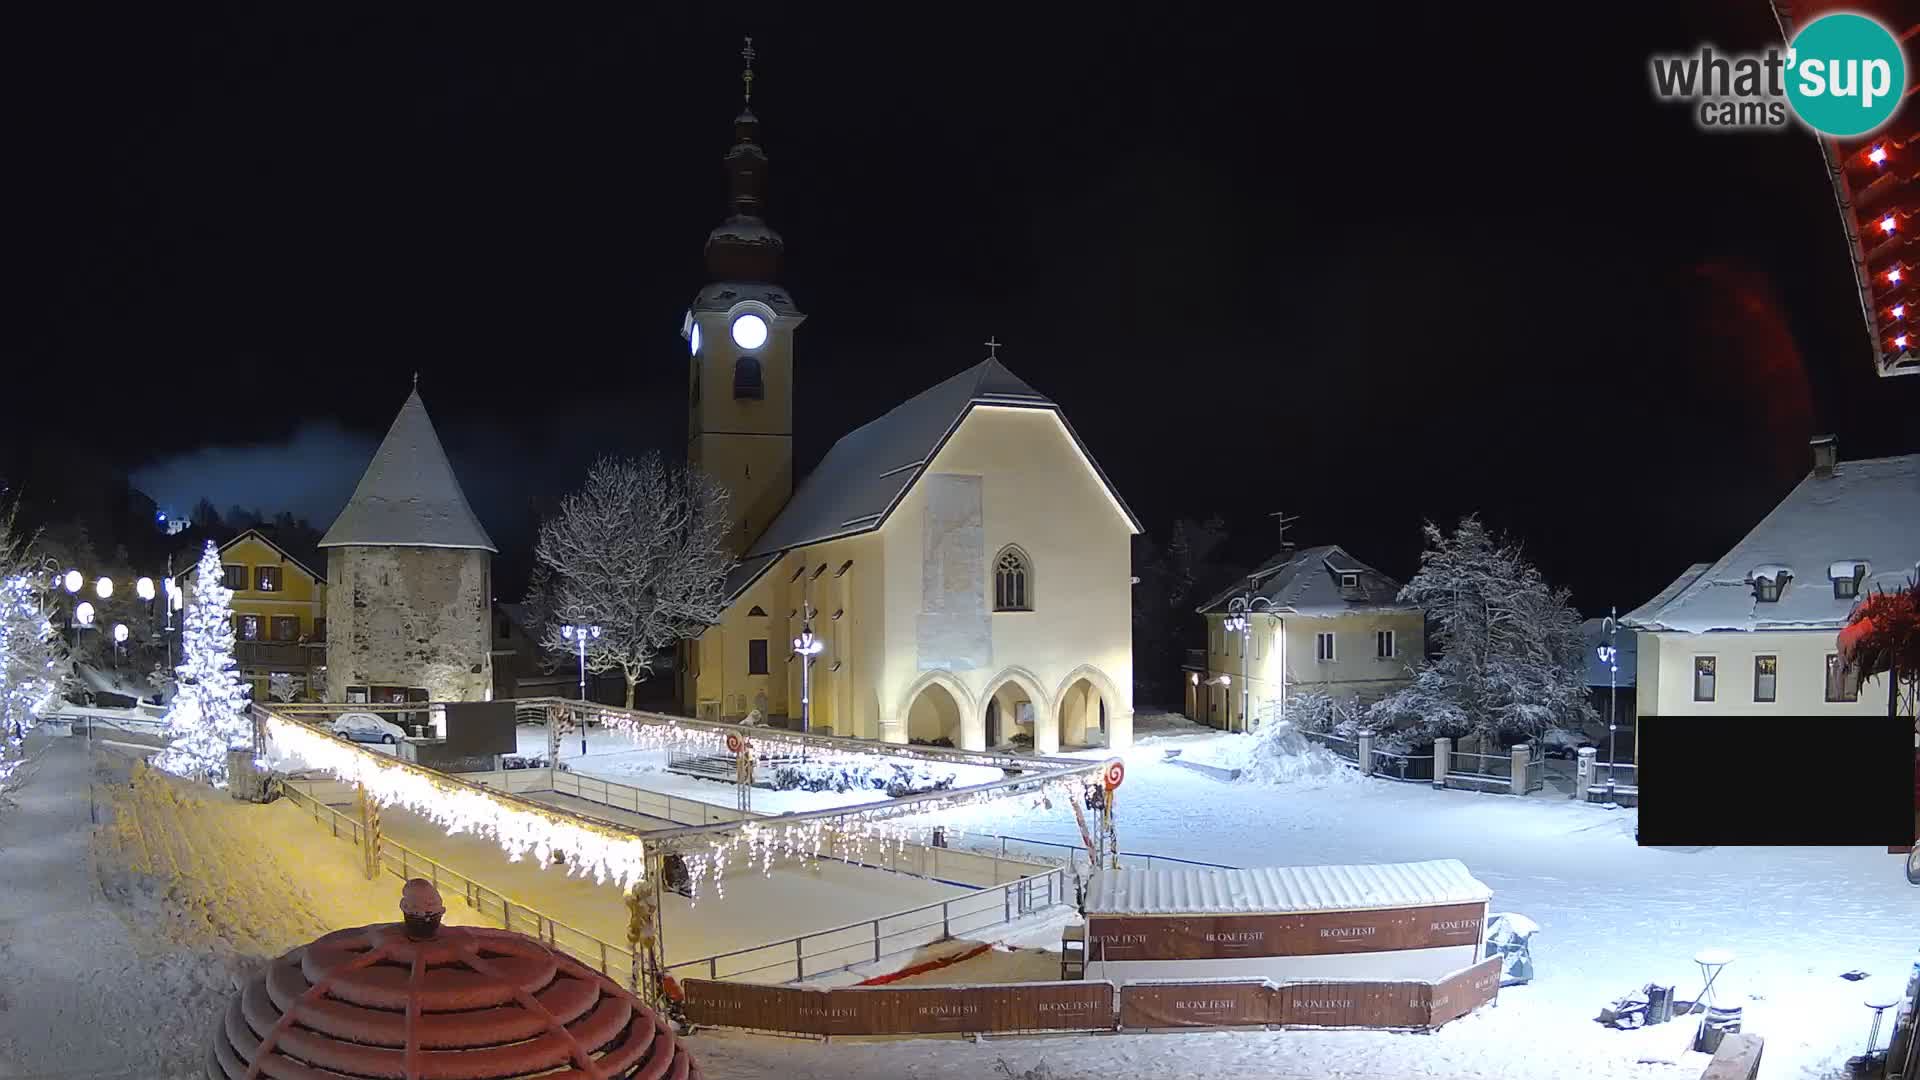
(366,727)
(1561,743)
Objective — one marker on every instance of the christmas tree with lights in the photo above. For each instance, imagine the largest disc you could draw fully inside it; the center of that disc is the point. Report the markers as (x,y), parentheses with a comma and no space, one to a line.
(209,714)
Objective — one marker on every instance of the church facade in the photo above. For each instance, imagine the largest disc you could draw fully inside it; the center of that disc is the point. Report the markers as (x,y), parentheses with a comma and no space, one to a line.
(962,562)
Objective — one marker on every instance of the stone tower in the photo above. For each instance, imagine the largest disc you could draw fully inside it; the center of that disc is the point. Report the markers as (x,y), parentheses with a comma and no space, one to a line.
(410,577)
(740,331)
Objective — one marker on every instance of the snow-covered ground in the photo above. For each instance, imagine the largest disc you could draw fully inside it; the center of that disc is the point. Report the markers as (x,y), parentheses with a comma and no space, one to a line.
(94,974)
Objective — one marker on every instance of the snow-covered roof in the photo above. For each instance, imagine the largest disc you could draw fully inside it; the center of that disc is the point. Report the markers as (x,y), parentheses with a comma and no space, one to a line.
(1626,641)
(722,295)
(1283,889)
(866,474)
(1307,582)
(408,496)
(1865,511)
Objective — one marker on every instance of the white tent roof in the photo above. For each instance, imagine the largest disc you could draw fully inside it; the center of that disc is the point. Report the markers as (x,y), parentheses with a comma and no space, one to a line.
(408,496)
(1283,889)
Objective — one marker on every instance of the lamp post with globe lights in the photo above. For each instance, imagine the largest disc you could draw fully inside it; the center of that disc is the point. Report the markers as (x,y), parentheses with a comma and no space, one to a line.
(1610,656)
(1238,622)
(580,635)
(806,647)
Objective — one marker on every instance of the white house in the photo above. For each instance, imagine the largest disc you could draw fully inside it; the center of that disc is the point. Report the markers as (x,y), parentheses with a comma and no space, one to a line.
(1755,632)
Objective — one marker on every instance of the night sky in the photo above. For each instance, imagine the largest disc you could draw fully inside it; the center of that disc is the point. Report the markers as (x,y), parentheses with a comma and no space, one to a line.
(1368,271)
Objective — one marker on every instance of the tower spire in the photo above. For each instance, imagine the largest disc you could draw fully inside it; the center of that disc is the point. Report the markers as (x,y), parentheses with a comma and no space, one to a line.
(746,77)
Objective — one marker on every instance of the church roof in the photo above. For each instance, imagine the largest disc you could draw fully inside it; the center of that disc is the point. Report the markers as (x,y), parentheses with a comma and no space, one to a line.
(408,496)
(866,474)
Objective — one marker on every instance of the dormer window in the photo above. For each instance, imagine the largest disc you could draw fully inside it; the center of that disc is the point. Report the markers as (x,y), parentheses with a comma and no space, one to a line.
(1769,582)
(1349,581)
(1847,576)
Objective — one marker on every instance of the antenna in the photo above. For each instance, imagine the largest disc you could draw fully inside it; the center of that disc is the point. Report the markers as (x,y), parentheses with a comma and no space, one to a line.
(1281,520)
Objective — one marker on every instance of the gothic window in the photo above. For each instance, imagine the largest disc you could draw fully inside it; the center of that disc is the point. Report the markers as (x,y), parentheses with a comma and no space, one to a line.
(746,379)
(1012,580)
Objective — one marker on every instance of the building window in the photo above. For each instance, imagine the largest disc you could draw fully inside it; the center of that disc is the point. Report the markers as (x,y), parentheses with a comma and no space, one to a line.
(1846,586)
(1012,581)
(757,612)
(286,628)
(266,578)
(236,577)
(319,629)
(747,385)
(1843,682)
(1383,644)
(1349,581)
(1766,671)
(246,627)
(757,656)
(1323,648)
(1703,677)
(1767,589)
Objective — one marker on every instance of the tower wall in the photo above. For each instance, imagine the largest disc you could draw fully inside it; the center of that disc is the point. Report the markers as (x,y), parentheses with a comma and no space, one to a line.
(745,443)
(411,617)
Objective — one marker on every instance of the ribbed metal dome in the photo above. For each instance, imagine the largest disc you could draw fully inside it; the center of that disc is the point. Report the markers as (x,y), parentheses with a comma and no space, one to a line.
(416,1001)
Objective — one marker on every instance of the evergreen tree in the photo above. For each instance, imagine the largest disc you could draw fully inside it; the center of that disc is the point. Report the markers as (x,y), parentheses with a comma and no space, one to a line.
(32,663)
(208,715)
(1512,658)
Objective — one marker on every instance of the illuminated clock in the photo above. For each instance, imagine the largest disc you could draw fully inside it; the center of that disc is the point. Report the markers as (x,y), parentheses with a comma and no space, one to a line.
(693,339)
(749,331)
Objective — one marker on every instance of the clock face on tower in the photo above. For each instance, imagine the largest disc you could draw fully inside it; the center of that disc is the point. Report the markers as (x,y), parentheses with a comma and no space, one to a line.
(749,331)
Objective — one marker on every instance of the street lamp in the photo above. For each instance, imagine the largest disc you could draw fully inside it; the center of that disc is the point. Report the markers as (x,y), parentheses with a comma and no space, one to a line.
(119,636)
(1610,656)
(144,588)
(806,647)
(83,614)
(73,581)
(580,635)
(1237,622)
(104,587)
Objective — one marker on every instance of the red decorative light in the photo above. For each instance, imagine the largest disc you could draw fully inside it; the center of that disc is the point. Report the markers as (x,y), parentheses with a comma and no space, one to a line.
(1887,224)
(1877,155)
(1893,275)
(1899,311)
(1900,342)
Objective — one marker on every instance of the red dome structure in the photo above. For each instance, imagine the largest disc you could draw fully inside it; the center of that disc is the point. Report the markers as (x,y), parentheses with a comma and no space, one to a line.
(417,1001)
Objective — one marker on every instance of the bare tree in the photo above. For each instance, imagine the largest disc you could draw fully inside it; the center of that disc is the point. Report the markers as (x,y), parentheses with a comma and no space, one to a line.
(640,552)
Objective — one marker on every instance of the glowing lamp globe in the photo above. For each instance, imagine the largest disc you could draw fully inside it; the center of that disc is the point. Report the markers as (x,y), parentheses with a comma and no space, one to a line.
(83,614)
(479,1003)
(749,331)
(144,588)
(73,581)
(693,339)
(119,633)
(104,587)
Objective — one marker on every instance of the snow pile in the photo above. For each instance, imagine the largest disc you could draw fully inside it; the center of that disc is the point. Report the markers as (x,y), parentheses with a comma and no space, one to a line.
(1279,754)
(897,779)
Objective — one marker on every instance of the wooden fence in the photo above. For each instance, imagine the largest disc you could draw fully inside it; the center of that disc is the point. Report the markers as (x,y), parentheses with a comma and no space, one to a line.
(1092,1005)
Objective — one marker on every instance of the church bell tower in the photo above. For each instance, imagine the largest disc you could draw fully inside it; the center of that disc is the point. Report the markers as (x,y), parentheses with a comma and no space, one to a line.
(740,333)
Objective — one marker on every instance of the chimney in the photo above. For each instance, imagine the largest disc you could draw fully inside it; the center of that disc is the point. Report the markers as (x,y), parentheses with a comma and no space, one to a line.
(1826,454)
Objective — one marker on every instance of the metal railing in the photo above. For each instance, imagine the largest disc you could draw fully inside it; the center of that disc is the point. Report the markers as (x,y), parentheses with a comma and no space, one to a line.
(1397,766)
(615,961)
(1345,748)
(1488,770)
(1536,768)
(1057,851)
(825,952)
(1624,776)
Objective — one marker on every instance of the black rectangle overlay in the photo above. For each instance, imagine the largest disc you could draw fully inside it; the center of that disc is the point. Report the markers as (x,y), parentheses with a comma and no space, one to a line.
(1827,781)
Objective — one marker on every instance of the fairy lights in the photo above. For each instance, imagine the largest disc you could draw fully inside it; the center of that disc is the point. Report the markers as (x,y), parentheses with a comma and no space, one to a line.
(607,855)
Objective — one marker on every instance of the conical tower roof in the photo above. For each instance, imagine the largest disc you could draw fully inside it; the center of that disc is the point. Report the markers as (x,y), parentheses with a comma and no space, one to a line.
(408,496)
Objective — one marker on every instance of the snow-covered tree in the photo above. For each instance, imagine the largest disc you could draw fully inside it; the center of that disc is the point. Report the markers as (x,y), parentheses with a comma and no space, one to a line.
(1512,659)
(33,663)
(208,715)
(639,551)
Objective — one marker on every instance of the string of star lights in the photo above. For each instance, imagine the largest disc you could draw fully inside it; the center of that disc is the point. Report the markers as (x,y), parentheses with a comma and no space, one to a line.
(605,853)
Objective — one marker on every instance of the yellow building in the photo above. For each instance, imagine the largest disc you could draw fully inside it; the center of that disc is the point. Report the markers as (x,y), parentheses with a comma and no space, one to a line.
(1313,620)
(279,617)
(962,561)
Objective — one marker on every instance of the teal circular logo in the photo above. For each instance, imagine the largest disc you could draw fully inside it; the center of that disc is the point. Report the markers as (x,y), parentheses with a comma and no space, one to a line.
(1845,74)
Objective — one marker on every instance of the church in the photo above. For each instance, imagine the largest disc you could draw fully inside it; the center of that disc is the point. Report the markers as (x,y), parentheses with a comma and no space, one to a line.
(958,569)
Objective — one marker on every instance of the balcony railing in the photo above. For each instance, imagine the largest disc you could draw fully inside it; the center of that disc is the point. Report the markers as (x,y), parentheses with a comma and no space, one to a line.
(284,655)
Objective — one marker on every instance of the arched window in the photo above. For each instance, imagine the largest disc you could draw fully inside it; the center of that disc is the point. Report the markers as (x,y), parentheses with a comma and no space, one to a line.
(746,379)
(1012,580)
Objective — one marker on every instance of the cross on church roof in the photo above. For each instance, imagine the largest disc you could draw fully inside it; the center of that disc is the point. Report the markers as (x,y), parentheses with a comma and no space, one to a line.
(993,347)
(746,77)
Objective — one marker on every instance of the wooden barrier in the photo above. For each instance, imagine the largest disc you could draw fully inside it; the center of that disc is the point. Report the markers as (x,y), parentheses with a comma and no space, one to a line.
(1220,937)
(1737,1059)
(1090,1006)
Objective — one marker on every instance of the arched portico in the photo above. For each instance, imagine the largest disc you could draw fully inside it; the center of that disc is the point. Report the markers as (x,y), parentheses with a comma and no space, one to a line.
(938,706)
(1088,711)
(1001,712)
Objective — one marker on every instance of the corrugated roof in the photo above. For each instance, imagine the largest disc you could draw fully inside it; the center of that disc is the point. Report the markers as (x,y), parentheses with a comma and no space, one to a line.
(1283,889)
(1307,582)
(1867,510)
(409,497)
(871,468)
